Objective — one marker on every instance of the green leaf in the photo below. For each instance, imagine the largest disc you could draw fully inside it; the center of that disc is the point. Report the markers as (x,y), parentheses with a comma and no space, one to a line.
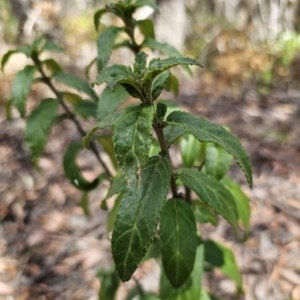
(108,146)
(217,161)
(164,48)
(189,148)
(25,49)
(226,263)
(6,57)
(110,100)
(203,213)
(52,47)
(52,65)
(21,87)
(117,186)
(119,74)
(159,83)
(72,98)
(212,192)
(97,17)
(157,66)
(154,250)
(179,241)
(72,171)
(110,221)
(174,85)
(84,203)
(150,3)
(140,64)
(205,131)
(76,83)
(172,133)
(105,45)
(147,28)
(8,107)
(109,285)
(108,121)
(86,108)
(191,289)
(139,214)
(38,126)
(206,296)
(132,138)
(241,200)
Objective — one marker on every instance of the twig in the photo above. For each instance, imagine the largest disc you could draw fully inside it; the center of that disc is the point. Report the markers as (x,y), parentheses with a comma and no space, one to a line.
(70,114)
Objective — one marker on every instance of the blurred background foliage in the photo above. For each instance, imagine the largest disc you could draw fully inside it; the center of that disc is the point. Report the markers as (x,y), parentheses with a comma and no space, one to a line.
(240,42)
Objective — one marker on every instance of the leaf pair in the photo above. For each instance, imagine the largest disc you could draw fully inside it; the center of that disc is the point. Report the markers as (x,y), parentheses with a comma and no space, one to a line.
(142,82)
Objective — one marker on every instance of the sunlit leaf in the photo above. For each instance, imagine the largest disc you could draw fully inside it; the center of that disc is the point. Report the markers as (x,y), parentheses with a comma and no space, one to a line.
(189,149)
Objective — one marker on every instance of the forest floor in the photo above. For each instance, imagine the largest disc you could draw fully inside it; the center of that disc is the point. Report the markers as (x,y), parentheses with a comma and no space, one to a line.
(49,249)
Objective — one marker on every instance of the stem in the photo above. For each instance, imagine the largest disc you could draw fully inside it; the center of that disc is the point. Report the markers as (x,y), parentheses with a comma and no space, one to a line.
(70,114)
(187,195)
(158,128)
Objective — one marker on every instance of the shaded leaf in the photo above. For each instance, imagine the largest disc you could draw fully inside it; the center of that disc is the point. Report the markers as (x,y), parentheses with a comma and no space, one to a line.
(227,264)
(38,126)
(108,146)
(21,87)
(52,47)
(172,133)
(139,214)
(6,57)
(105,45)
(164,48)
(119,74)
(140,64)
(191,289)
(132,138)
(8,107)
(76,83)
(204,214)
(157,66)
(110,100)
(110,221)
(159,83)
(189,149)
(154,250)
(147,28)
(72,171)
(52,65)
(150,3)
(108,121)
(86,108)
(84,203)
(205,131)
(109,285)
(179,241)
(212,192)
(97,17)
(117,186)
(241,200)
(72,98)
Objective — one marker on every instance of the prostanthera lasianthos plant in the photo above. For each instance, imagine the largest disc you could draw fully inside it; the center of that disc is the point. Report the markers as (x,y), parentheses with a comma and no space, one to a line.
(149,212)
